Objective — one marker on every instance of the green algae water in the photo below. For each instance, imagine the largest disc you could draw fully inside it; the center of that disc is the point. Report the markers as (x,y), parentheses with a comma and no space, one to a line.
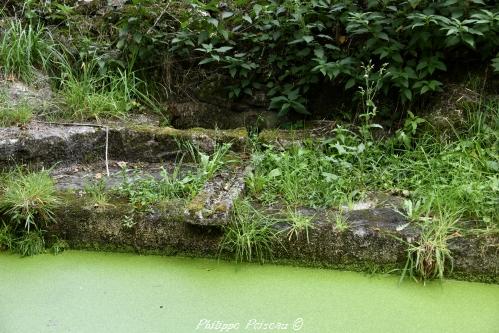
(105,292)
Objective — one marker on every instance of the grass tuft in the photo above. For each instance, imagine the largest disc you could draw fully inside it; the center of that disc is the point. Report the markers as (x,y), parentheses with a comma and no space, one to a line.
(97,194)
(299,224)
(429,257)
(6,238)
(250,236)
(15,115)
(24,48)
(92,95)
(31,243)
(28,200)
(340,221)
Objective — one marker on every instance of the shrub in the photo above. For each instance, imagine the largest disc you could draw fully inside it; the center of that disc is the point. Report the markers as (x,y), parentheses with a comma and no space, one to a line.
(284,48)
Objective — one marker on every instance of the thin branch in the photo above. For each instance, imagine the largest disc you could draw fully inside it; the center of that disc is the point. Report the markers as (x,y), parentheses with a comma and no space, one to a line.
(107,149)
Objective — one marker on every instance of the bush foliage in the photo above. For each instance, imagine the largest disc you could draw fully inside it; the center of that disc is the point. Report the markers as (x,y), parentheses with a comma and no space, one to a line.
(284,49)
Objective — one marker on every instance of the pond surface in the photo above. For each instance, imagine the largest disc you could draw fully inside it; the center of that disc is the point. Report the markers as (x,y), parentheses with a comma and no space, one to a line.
(104,292)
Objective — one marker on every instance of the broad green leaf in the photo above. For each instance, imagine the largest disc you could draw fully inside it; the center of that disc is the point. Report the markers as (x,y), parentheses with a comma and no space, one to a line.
(223,49)
(407,94)
(206,61)
(213,21)
(468,39)
(257,9)
(227,14)
(350,83)
(308,39)
(341,150)
(330,177)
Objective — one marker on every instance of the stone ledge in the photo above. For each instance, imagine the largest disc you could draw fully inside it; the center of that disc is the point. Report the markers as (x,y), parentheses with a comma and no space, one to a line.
(213,205)
(372,239)
(43,144)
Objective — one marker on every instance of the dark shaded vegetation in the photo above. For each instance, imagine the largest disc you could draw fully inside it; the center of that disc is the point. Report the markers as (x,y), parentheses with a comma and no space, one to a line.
(130,55)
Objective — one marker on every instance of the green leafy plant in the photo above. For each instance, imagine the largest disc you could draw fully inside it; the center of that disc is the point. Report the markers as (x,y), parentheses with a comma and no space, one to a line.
(128,222)
(209,164)
(416,211)
(25,48)
(15,115)
(92,94)
(97,193)
(250,236)
(371,85)
(292,101)
(298,224)
(268,46)
(429,256)
(30,243)
(28,200)
(406,135)
(59,246)
(143,192)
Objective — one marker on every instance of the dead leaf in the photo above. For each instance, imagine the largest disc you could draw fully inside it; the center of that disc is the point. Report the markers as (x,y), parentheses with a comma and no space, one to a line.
(121,164)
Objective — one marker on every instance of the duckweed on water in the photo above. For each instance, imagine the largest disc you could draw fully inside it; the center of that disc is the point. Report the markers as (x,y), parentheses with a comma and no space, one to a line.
(64,291)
